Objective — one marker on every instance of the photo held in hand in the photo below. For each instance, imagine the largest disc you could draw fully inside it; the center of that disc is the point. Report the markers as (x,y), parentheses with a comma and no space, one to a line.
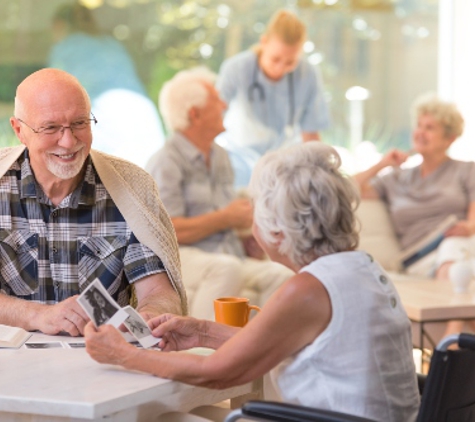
(103,309)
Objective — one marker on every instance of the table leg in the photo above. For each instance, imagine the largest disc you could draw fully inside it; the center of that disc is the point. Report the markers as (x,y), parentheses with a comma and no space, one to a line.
(256,394)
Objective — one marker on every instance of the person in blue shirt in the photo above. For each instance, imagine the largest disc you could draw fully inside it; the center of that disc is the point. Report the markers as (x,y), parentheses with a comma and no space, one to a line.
(274,96)
(107,72)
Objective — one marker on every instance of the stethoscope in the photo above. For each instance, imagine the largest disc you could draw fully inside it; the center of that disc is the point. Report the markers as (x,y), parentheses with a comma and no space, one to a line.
(257,86)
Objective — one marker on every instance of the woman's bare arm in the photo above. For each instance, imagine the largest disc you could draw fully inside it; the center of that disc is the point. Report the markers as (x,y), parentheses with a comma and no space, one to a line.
(288,322)
(392,158)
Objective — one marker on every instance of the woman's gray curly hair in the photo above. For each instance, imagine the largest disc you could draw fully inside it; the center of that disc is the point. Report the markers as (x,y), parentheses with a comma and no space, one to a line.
(300,193)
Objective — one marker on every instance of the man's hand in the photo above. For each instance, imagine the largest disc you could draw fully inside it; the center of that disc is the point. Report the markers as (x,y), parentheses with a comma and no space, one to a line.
(239,214)
(147,315)
(177,333)
(66,316)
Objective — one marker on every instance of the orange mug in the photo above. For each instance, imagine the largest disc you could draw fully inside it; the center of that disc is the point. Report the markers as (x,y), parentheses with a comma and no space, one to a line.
(233,311)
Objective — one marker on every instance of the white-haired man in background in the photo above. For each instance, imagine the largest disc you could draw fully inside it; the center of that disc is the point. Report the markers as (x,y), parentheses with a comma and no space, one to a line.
(195,180)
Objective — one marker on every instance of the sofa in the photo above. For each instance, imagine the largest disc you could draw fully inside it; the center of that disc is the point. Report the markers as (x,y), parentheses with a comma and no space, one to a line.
(377,236)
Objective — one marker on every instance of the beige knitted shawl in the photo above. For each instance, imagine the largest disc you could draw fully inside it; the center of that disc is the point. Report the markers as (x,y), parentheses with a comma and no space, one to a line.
(136,195)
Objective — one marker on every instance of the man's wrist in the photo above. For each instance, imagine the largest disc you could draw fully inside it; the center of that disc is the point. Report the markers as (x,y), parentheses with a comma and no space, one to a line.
(29,314)
(34,315)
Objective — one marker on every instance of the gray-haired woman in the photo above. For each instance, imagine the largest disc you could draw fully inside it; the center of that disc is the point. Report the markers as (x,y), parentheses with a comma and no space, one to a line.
(335,333)
(422,197)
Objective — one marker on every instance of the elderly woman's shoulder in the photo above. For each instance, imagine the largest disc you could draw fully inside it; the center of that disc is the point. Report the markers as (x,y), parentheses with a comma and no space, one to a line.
(306,295)
(303,286)
(462,165)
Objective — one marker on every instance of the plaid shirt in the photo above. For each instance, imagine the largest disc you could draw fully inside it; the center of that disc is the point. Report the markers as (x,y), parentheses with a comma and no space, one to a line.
(50,253)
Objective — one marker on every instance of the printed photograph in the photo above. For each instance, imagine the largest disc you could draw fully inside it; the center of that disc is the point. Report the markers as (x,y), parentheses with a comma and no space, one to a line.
(98,303)
(136,324)
(139,328)
(47,345)
(77,345)
(136,343)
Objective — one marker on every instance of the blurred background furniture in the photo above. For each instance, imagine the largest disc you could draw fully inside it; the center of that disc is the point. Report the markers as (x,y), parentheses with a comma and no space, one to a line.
(377,236)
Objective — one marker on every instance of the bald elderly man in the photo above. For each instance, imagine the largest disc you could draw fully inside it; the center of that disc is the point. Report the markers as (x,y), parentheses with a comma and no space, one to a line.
(70,214)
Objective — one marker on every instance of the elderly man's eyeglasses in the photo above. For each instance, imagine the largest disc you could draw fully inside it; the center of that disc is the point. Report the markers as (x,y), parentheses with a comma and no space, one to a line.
(78,125)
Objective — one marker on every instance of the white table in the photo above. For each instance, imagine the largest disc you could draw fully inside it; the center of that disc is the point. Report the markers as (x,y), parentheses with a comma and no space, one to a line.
(61,384)
(430,304)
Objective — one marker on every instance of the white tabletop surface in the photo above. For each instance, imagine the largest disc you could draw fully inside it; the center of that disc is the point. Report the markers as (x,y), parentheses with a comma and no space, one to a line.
(434,300)
(66,384)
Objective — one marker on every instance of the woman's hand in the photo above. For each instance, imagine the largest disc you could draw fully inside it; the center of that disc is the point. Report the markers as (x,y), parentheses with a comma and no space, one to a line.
(106,345)
(462,228)
(394,158)
(177,332)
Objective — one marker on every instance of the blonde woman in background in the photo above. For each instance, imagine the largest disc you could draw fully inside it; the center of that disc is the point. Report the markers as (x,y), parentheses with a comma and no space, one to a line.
(420,198)
(274,95)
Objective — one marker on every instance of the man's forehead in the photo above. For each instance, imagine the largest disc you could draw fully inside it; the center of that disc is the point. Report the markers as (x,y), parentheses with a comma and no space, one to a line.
(51,111)
(51,103)
(42,92)
(48,87)
(60,119)
(48,75)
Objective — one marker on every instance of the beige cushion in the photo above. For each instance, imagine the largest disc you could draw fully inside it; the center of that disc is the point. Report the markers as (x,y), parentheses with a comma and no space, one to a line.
(377,235)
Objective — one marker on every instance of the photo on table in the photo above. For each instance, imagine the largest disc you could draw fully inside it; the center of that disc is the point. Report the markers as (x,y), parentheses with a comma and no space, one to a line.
(44,345)
(76,345)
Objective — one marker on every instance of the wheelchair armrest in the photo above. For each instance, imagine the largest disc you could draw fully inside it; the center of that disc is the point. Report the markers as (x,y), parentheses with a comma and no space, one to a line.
(283,412)
(421,381)
(467,341)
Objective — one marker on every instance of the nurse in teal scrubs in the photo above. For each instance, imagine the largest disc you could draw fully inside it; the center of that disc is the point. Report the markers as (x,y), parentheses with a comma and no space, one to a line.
(274,96)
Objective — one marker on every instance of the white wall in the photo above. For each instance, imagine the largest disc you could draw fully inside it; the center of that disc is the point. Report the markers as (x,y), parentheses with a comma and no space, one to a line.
(457,67)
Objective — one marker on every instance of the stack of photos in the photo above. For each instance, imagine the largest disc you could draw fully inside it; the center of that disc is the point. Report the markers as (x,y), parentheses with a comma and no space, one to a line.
(103,309)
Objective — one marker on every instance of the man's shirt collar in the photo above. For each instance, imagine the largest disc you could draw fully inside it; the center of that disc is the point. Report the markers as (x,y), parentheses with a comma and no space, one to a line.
(84,194)
(189,150)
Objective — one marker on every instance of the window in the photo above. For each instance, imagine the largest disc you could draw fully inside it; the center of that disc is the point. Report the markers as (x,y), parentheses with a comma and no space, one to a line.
(387,47)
